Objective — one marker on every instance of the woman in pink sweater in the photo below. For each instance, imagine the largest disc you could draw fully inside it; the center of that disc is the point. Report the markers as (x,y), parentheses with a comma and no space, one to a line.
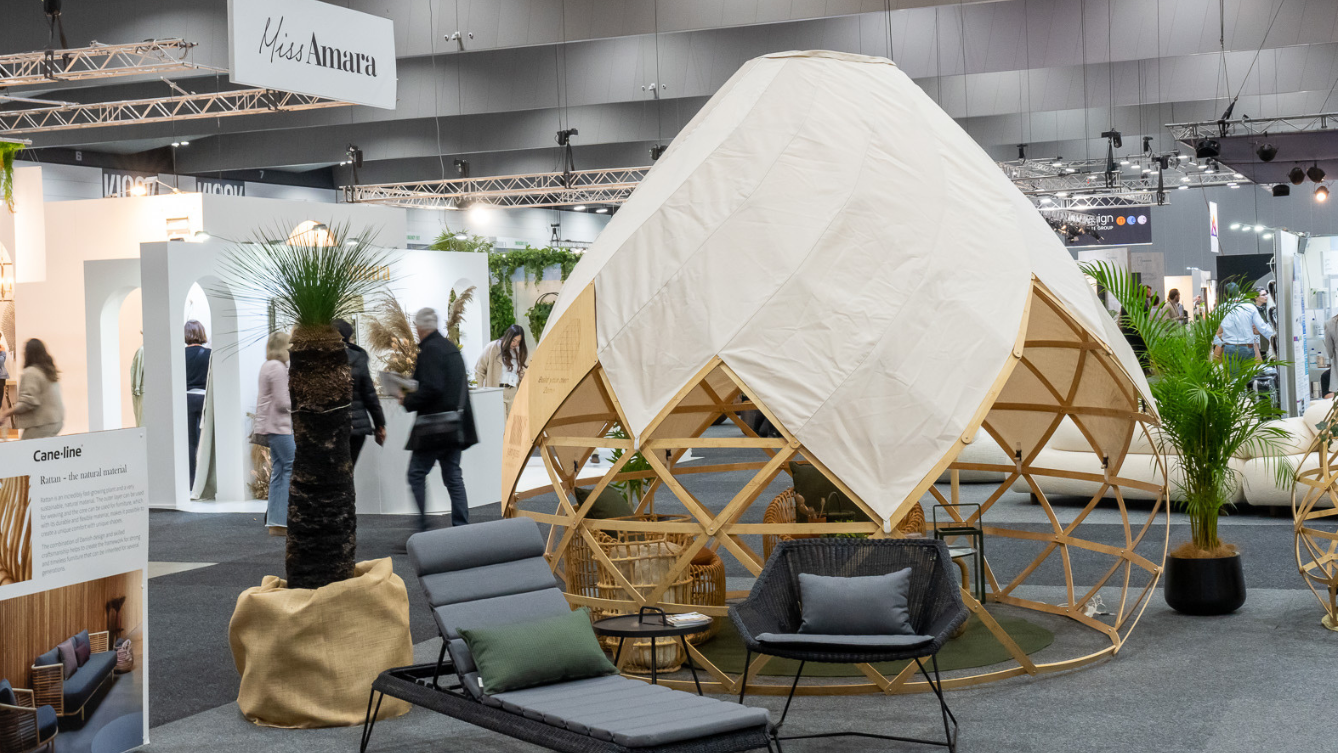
(274,420)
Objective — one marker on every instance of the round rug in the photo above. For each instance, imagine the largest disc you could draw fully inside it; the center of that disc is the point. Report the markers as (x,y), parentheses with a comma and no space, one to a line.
(977,647)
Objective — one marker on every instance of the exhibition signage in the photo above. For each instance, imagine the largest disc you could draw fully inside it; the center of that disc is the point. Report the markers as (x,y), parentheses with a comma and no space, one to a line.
(1131,226)
(1213,244)
(221,186)
(74,551)
(124,182)
(312,48)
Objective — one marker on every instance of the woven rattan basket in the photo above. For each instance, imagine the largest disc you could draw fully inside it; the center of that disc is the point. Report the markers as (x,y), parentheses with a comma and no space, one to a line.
(643,558)
(782,510)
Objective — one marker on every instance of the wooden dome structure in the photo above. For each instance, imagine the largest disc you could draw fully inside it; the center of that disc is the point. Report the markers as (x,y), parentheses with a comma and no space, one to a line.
(877,338)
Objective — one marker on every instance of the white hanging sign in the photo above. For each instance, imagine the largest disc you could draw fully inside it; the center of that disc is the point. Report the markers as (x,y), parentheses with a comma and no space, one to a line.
(314,48)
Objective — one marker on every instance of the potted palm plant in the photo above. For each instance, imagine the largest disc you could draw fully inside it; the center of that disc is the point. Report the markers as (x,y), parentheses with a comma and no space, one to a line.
(308,646)
(1209,414)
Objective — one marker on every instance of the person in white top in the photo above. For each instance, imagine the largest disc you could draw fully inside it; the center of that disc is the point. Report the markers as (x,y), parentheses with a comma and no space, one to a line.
(502,363)
(1241,328)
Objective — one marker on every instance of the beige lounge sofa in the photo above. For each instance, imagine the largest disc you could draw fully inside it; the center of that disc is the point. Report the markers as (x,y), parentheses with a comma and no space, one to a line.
(1068,450)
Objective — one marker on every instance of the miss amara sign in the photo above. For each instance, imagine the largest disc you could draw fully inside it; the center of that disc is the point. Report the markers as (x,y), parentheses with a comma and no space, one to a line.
(314,48)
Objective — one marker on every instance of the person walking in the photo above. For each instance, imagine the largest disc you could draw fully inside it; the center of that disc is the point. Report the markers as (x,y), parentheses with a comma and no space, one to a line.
(442,387)
(274,421)
(40,412)
(502,364)
(197,378)
(1240,331)
(365,411)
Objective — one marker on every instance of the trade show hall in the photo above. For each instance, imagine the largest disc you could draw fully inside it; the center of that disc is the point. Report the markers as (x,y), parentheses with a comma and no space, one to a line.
(638,376)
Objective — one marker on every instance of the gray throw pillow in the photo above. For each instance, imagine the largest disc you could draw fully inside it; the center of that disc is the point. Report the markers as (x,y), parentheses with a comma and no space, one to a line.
(68,657)
(862,605)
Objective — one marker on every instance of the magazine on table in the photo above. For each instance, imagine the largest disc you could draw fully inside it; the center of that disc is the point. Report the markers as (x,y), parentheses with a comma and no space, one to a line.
(687,618)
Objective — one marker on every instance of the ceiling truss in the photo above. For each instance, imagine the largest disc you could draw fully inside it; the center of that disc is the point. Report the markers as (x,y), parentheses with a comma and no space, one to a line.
(154,56)
(70,115)
(611,186)
(1212,129)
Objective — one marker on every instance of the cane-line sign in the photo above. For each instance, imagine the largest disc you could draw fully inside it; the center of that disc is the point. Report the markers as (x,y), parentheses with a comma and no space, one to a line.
(313,48)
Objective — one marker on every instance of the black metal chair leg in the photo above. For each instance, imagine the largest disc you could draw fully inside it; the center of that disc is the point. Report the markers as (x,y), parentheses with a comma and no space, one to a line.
(743,682)
(654,674)
(691,667)
(937,686)
(436,673)
(791,696)
(370,722)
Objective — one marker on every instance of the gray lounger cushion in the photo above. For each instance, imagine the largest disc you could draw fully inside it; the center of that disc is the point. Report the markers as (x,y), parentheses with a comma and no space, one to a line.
(629,712)
(866,641)
(447,550)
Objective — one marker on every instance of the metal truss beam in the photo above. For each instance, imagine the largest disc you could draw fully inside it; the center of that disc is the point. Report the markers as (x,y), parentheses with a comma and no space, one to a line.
(70,115)
(1216,129)
(610,186)
(154,56)
(1084,184)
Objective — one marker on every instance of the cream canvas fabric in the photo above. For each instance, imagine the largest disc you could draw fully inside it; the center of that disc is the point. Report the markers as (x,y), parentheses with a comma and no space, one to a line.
(863,266)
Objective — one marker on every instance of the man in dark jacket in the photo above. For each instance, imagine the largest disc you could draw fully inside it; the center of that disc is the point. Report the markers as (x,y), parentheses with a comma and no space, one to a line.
(442,386)
(365,411)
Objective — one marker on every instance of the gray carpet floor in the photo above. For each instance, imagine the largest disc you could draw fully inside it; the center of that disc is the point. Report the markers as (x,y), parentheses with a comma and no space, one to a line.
(1254,680)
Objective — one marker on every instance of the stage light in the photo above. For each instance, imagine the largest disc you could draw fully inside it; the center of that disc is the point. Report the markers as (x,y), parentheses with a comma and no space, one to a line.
(1182,156)
(579,208)
(1315,173)
(1235,226)
(1296,175)
(176,143)
(1184,180)
(1207,148)
(1267,152)
(1057,163)
(1282,189)
(1233,185)
(602,210)
(1321,194)
(1267,236)
(1258,228)
(185,143)
(1047,200)
(1124,162)
(1238,176)
(1062,194)
(1184,188)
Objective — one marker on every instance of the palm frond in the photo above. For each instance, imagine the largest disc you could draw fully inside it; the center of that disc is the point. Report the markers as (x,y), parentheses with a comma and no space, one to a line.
(1209,410)
(307,282)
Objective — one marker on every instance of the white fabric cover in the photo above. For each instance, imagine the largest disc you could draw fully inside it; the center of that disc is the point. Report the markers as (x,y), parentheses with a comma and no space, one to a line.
(829,232)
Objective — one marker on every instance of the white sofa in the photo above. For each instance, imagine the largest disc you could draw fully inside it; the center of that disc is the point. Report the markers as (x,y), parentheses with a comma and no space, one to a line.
(1068,450)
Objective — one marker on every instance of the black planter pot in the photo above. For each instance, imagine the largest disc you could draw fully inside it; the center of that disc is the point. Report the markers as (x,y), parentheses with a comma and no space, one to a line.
(1205,586)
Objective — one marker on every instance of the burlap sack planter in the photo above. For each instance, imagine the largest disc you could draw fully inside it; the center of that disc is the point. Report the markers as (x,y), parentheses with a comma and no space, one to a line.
(308,657)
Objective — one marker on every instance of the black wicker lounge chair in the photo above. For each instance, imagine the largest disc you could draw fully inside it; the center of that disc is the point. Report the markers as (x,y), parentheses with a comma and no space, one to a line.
(493,574)
(769,619)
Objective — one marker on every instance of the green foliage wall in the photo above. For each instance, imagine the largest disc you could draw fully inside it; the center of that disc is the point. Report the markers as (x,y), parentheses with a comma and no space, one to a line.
(502,267)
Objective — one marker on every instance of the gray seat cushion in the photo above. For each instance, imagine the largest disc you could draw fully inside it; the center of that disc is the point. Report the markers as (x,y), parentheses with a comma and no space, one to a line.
(81,685)
(862,641)
(629,712)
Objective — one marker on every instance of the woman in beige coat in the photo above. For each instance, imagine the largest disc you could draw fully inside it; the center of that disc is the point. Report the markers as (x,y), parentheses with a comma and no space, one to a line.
(502,363)
(39,410)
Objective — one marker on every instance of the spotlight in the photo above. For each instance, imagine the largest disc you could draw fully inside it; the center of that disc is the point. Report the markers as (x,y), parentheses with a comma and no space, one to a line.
(1321,194)
(602,210)
(1124,162)
(185,143)
(354,155)
(1233,184)
(1315,172)
(1235,226)
(1296,175)
(1282,189)
(1182,156)
(176,144)
(1267,236)
(1184,188)
(656,151)
(564,137)
(1206,148)
(1267,152)
(579,208)
(1258,228)
(1114,137)
(1062,194)
(138,190)
(1021,151)
(1047,200)
(1059,162)
(1184,180)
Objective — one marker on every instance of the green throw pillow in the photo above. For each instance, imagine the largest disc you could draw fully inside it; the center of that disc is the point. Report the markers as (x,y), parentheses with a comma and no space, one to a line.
(814,487)
(610,504)
(543,652)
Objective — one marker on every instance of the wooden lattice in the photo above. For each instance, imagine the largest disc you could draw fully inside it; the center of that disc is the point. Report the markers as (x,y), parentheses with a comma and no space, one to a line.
(566,407)
(16,546)
(1315,514)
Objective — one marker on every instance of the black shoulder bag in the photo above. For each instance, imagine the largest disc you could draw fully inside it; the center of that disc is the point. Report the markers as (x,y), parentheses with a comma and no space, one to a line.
(441,429)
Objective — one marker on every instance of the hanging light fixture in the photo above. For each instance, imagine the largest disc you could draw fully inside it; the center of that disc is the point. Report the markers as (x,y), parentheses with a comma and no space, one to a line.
(1282,189)
(1321,194)
(1206,148)
(1267,152)
(1296,175)
(1315,173)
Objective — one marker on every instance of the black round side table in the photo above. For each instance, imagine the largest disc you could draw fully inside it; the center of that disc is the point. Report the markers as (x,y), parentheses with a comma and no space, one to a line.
(650,623)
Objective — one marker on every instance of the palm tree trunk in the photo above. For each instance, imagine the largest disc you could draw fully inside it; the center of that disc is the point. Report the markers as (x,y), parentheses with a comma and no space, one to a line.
(322,521)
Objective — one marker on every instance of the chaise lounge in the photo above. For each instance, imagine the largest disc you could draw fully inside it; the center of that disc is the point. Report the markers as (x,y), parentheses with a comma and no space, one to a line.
(69,696)
(494,575)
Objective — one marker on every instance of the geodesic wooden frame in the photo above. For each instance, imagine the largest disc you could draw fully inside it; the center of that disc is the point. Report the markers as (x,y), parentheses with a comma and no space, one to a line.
(566,406)
(1317,527)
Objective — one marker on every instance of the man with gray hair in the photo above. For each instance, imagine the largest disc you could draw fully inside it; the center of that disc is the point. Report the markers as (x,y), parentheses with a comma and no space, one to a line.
(442,387)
